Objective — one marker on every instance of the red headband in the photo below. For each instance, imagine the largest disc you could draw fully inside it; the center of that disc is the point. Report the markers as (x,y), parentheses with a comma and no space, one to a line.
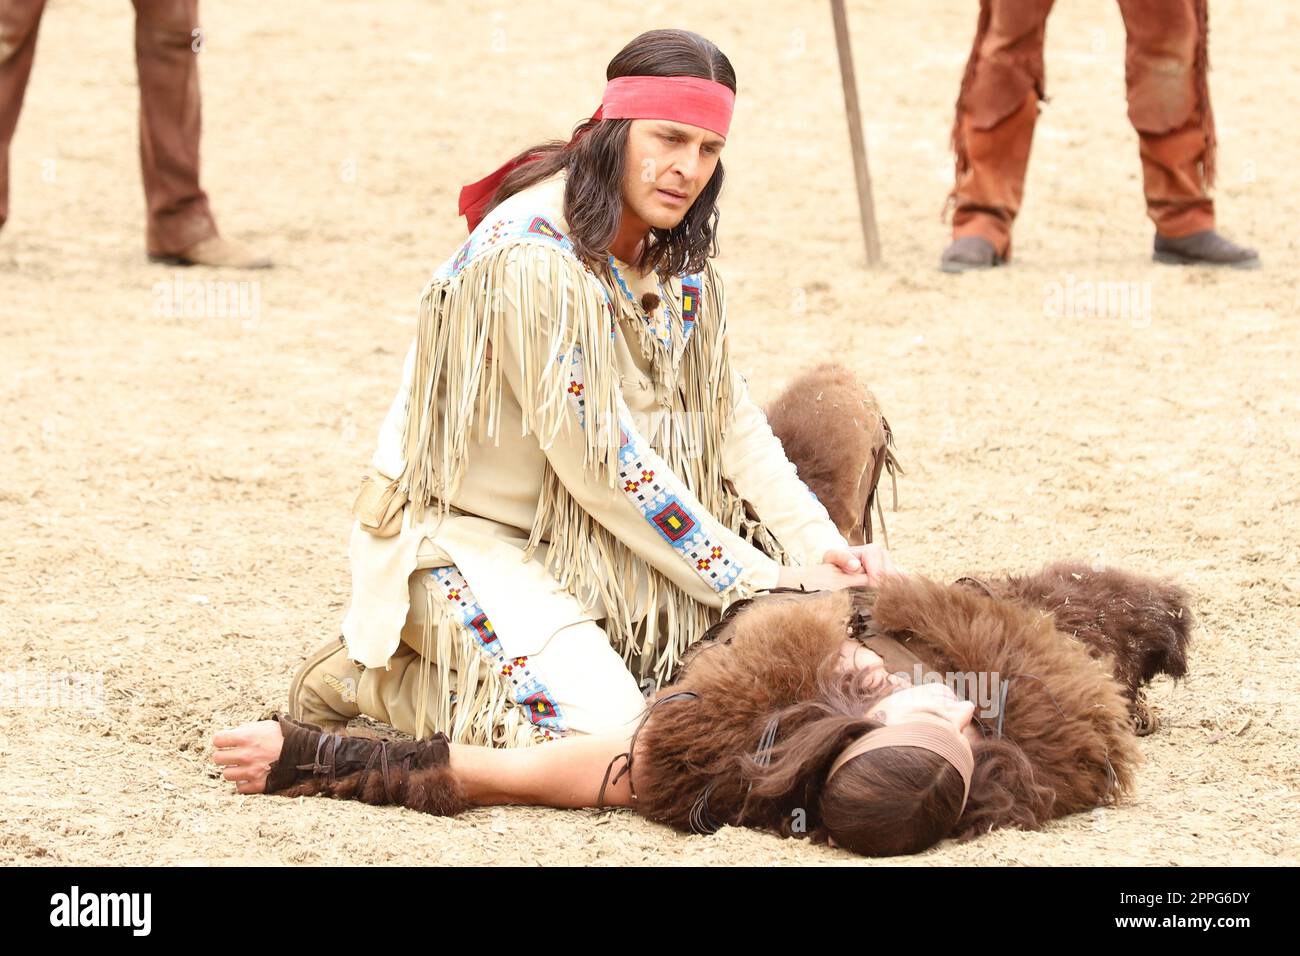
(683,99)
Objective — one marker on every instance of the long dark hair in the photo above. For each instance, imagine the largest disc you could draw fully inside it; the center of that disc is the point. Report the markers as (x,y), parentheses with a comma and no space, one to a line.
(594,160)
(887,802)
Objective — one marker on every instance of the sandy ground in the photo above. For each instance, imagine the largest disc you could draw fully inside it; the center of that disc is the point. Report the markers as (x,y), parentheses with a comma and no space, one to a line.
(174,489)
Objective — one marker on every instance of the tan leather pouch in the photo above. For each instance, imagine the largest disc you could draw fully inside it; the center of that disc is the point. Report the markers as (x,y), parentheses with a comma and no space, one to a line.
(379,506)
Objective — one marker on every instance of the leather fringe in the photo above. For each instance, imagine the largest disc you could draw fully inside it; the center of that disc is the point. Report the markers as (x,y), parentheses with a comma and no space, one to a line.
(456,398)
(473,703)
(451,393)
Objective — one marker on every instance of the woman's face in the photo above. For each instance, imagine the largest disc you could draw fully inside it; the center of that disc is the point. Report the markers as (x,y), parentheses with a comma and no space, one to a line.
(857,657)
(929,703)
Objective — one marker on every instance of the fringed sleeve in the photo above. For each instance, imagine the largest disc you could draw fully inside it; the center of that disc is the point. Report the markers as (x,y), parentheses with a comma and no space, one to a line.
(552,345)
(456,391)
(645,529)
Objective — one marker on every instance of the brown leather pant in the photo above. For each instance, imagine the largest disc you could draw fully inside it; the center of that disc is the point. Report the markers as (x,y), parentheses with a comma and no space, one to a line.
(1168,104)
(178,214)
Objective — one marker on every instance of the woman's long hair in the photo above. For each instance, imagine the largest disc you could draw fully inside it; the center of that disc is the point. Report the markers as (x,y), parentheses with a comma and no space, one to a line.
(594,160)
(886,802)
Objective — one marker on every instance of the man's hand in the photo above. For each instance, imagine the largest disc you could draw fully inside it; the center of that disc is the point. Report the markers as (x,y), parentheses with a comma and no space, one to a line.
(871,559)
(820,577)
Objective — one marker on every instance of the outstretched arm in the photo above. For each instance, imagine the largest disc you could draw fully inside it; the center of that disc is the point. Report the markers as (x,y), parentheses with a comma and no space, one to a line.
(564,773)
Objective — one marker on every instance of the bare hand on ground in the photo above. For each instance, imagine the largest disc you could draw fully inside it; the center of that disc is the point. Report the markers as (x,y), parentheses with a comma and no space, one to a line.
(247,752)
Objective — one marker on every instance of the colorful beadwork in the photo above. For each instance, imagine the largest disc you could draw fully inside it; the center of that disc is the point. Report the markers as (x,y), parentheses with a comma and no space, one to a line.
(643,476)
(647,482)
(663,334)
(540,226)
(690,304)
(493,232)
(527,689)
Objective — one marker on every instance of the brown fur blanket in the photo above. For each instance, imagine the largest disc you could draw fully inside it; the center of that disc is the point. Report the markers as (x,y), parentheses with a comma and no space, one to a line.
(1076,646)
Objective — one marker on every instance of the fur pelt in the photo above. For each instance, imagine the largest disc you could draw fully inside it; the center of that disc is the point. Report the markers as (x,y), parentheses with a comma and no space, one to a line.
(378,770)
(832,428)
(766,656)
(1064,708)
(1138,624)
(430,790)
(1067,705)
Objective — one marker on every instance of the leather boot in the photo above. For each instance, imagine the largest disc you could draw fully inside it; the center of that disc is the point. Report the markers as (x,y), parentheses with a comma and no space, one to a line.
(215,251)
(967,253)
(324,689)
(1204,248)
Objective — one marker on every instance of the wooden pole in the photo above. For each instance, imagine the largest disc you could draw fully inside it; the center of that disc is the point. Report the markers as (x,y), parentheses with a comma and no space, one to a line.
(862,173)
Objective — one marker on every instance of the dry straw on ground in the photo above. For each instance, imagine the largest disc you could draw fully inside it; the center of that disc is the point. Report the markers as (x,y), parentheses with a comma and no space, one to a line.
(174,489)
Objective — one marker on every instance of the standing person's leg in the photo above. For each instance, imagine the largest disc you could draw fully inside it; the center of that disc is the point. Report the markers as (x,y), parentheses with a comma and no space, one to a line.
(1166,67)
(166,57)
(1175,129)
(19,22)
(996,111)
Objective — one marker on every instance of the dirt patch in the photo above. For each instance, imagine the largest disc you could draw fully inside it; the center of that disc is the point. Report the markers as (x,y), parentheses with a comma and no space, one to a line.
(174,489)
